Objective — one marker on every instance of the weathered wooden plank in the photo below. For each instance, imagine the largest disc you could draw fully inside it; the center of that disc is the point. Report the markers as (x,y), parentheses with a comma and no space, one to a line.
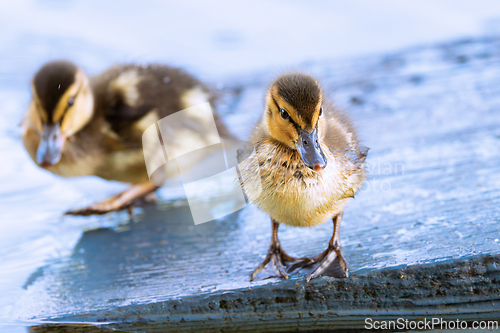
(464,289)
(421,239)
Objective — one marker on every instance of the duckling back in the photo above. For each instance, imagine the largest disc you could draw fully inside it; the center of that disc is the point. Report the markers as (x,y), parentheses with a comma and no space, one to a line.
(131,98)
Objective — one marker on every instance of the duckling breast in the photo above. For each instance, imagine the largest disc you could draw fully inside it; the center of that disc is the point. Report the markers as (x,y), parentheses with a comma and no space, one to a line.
(293,194)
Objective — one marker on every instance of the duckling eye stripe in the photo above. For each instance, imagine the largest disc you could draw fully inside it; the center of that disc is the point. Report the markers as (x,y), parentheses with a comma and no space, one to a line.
(297,127)
(62,106)
(276,104)
(289,118)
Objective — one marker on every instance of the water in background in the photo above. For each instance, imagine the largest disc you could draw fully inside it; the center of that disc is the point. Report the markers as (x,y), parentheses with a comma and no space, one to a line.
(215,40)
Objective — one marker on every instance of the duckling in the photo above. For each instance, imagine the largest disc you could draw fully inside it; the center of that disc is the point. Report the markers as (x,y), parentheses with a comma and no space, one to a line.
(310,161)
(79,126)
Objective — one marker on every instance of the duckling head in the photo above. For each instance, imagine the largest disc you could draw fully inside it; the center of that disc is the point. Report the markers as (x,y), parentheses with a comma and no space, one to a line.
(294,116)
(62,103)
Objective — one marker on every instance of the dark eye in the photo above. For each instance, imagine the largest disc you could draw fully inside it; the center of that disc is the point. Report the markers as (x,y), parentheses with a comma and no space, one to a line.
(284,114)
(320,112)
(71,100)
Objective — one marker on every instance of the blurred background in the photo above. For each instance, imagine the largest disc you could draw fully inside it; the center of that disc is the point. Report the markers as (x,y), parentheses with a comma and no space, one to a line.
(216,41)
(220,38)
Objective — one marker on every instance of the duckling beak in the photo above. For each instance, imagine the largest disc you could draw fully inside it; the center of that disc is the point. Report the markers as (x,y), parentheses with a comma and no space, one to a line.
(310,151)
(50,147)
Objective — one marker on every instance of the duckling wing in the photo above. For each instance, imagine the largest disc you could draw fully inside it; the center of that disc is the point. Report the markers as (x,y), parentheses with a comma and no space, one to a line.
(130,98)
(341,136)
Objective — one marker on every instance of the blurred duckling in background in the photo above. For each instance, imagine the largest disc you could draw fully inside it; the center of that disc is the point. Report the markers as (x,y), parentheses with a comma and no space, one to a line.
(79,126)
(311,163)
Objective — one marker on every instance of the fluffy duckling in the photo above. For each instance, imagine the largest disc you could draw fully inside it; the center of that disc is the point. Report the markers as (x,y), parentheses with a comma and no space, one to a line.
(310,162)
(78,126)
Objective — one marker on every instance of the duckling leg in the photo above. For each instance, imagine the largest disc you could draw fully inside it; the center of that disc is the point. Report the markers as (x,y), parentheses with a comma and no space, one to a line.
(276,255)
(333,251)
(117,202)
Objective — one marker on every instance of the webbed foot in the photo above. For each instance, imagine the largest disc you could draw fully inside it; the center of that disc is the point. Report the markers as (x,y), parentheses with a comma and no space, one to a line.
(329,264)
(277,257)
(123,200)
